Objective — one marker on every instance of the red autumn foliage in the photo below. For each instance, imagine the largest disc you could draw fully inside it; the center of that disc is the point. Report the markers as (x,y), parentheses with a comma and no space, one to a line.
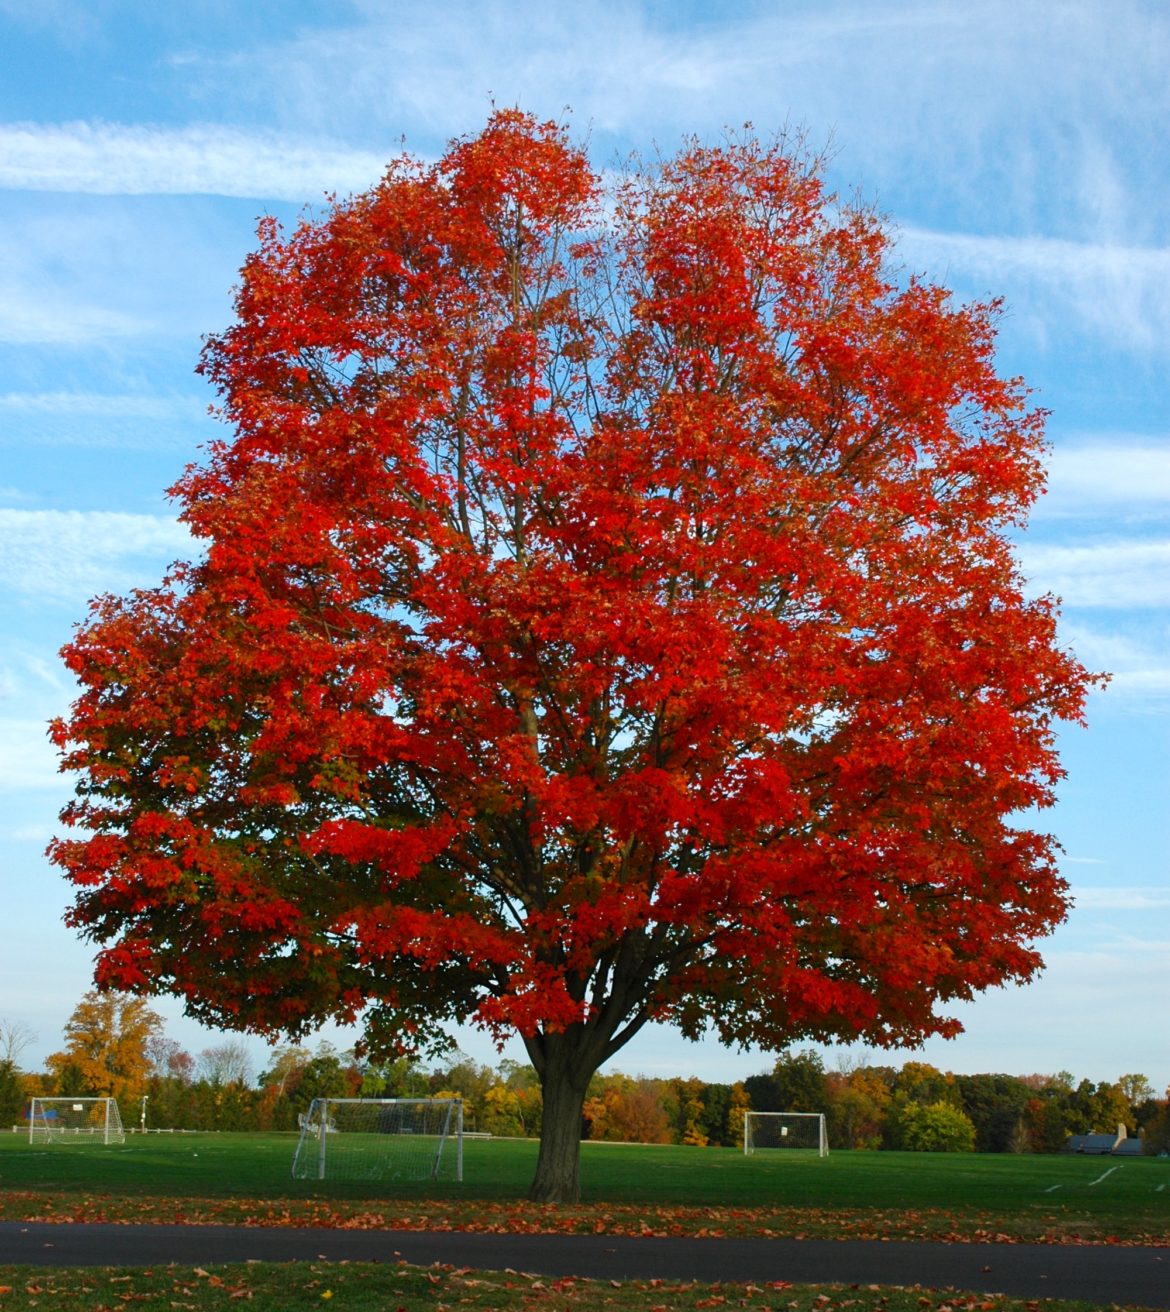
(605,614)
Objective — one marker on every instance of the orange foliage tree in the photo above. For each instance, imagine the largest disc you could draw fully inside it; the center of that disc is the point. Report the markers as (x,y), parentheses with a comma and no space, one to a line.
(605,613)
(623,1109)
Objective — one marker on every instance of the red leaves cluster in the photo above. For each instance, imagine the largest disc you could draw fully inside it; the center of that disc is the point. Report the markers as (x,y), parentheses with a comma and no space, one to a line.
(606,613)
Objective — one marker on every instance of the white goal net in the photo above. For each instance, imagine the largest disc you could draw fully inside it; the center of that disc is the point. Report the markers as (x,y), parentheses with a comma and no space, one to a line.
(789,1131)
(74,1120)
(381,1139)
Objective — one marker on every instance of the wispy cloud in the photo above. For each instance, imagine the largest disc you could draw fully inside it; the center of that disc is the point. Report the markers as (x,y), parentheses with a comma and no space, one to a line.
(120,274)
(36,834)
(87,419)
(1109,574)
(27,759)
(1118,291)
(917,92)
(1016,111)
(47,319)
(25,672)
(1132,898)
(1113,648)
(1108,476)
(1134,650)
(56,555)
(121,159)
(1150,684)
(93,403)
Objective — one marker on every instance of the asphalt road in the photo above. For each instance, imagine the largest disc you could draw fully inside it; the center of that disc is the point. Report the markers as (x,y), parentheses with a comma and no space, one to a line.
(1105,1275)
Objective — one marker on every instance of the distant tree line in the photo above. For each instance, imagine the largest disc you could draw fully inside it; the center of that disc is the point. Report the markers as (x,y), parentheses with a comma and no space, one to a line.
(115,1045)
(918,1107)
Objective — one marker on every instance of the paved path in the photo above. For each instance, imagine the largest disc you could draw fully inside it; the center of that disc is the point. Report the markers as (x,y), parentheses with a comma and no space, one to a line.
(1103,1275)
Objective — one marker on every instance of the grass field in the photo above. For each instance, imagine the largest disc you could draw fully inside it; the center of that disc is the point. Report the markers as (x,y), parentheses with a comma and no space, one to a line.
(627,1189)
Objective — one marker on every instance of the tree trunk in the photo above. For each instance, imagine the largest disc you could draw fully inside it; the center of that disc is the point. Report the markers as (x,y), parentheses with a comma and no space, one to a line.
(563,1082)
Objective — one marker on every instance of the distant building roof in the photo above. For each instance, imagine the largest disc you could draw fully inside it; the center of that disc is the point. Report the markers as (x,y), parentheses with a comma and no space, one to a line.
(1128,1148)
(1118,1144)
(1091,1143)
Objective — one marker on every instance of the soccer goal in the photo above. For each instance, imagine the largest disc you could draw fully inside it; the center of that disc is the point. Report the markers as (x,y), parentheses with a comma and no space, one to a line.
(381,1139)
(75,1120)
(786,1130)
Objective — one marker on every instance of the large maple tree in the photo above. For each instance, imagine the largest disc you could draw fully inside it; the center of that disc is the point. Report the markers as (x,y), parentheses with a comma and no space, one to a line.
(605,614)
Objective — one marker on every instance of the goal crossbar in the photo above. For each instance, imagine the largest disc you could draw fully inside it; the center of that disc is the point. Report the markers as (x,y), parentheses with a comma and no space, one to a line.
(75,1120)
(380,1139)
(786,1131)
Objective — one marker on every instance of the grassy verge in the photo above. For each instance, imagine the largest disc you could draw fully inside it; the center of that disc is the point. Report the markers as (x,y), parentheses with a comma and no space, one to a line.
(244,1179)
(366,1287)
(520,1217)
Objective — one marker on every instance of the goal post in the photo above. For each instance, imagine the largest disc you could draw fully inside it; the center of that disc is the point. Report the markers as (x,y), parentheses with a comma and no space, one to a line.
(75,1120)
(380,1139)
(787,1131)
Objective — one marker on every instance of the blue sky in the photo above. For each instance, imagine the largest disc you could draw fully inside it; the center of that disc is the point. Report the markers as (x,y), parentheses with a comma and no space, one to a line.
(1018,150)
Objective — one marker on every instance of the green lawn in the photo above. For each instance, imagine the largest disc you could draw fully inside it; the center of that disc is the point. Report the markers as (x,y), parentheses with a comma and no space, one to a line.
(627,1189)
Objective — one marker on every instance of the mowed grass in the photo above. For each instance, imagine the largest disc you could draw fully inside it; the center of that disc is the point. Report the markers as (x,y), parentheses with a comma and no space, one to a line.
(626,1188)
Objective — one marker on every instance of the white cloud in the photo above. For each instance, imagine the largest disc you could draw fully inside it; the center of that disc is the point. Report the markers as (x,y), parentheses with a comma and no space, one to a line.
(1121,899)
(87,419)
(28,760)
(76,273)
(1107,574)
(1134,650)
(1141,683)
(120,159)
(37,834)
(1108,476)
(26,672)
(1014,112)
(1049,258)
(1120,292)
(71,555)
(1113,648)
(46,319)
(138,406)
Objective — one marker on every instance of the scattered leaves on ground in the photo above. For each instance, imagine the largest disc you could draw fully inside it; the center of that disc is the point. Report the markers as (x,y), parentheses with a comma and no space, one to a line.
(519,1217)
(373,1287)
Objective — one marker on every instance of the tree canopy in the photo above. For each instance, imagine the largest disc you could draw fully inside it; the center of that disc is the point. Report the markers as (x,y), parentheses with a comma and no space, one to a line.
(107,1046)
(605,614)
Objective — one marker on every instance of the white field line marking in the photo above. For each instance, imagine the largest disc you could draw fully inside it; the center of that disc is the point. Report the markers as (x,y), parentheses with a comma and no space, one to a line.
(1107,1174)
(1159,1189)
(1054,1188)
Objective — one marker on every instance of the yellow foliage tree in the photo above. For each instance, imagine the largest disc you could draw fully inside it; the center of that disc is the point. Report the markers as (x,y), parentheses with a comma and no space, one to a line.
(106,1046)
(738,1107)
(691,1113)
(501,1112)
